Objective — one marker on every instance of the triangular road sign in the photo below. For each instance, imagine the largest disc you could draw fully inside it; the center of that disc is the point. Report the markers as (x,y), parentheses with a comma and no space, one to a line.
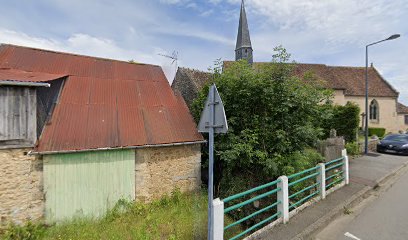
(220,120)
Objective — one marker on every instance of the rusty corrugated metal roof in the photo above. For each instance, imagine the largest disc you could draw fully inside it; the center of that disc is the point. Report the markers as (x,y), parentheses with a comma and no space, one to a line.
(7,74)
(105,103)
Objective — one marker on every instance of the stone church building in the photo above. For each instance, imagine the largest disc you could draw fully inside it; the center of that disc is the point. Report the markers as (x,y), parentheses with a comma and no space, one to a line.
(348,84)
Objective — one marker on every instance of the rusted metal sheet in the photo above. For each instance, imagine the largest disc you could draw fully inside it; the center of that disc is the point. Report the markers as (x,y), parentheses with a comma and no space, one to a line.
(105,103)
(24,76)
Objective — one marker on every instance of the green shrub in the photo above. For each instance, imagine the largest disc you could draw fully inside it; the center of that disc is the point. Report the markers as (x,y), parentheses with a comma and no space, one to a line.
(29,231)
(379,132)
(345,119)
(352,148)
(271,115)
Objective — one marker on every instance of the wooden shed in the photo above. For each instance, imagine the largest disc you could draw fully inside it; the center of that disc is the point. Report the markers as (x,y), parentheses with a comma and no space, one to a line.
(107,130)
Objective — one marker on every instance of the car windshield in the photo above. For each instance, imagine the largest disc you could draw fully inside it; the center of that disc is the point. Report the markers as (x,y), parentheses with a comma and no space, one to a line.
(399,138)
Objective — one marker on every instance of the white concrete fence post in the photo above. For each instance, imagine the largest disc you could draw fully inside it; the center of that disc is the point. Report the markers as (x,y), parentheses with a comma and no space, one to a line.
(345,167)
(321,179)
(218,220)
(283,197)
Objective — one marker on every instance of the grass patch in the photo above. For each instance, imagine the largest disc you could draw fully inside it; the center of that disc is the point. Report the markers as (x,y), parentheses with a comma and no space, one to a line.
(179,216)
(347,211)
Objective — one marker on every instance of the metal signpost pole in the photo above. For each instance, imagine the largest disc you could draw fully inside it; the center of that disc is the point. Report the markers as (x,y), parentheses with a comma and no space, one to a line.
(213,120)
(366,106)
(211,164)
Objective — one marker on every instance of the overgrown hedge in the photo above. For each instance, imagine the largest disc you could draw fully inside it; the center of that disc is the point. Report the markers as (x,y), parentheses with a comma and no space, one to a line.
(345,119)
(353,148)
(379,132)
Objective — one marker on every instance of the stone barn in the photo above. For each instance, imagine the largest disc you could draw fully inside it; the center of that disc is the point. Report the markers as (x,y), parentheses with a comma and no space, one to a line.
(78,133)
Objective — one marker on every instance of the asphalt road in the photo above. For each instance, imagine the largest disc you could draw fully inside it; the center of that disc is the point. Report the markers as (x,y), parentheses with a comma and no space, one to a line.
(383,215)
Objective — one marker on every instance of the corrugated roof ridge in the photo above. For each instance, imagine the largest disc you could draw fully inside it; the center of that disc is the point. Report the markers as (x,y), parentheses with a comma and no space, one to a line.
(28,71)
(76,54)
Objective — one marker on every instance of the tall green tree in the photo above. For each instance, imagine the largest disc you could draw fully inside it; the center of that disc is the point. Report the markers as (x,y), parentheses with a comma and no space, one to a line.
(272,117)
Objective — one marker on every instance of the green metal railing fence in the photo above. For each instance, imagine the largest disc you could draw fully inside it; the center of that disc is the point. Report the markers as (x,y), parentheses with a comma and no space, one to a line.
(251,200)
(281,197)
(336,174)
(311,188)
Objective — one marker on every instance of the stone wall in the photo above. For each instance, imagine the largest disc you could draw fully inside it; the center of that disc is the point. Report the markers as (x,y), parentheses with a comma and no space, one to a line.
(331,148)
(21,186)
(372,145)
(159,170)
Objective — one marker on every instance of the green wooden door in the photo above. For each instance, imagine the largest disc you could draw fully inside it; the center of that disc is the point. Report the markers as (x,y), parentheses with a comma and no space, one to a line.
(87,183)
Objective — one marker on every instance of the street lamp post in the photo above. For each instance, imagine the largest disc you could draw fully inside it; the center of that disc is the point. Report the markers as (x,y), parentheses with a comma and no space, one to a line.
(366,90)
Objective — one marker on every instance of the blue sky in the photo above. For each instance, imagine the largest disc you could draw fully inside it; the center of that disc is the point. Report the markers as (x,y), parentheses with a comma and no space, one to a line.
(331,32)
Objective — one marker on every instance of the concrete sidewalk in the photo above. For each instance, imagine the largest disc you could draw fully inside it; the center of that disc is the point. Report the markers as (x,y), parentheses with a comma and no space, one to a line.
(365,174)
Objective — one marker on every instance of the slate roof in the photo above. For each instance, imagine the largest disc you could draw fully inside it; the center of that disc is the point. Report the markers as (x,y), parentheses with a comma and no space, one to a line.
(105,103)
(402,109)
(243,38)
(188,82)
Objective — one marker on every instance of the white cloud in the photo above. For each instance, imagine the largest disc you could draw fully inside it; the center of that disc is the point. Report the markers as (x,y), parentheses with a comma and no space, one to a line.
(339,22)
(88,45)
(187,30)
(172,1)
(207,13)
(215,1)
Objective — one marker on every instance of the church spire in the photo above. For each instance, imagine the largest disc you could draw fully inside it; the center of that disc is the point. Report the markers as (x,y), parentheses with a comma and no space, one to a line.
(243,49)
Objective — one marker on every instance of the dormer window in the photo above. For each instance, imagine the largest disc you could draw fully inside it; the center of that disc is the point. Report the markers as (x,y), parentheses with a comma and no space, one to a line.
(18,116)
(25,106)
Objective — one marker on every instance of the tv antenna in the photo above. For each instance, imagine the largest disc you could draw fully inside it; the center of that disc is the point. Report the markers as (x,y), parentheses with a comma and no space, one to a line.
(173,57)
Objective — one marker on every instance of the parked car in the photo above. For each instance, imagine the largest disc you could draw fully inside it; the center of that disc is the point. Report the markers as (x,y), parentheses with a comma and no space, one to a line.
(394,143)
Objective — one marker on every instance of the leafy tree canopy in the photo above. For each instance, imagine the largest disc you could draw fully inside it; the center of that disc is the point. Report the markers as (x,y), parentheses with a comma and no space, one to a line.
(271,115)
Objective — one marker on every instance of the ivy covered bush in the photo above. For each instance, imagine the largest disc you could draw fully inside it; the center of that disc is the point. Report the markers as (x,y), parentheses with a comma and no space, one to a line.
(379,132)
(272,117)
(344,119)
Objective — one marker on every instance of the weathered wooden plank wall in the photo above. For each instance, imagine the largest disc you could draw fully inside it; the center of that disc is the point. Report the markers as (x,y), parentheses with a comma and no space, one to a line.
(18,106)
(88,183)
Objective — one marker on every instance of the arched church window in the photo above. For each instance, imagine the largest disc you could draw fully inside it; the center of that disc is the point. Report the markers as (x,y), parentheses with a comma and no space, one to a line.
(374,111)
